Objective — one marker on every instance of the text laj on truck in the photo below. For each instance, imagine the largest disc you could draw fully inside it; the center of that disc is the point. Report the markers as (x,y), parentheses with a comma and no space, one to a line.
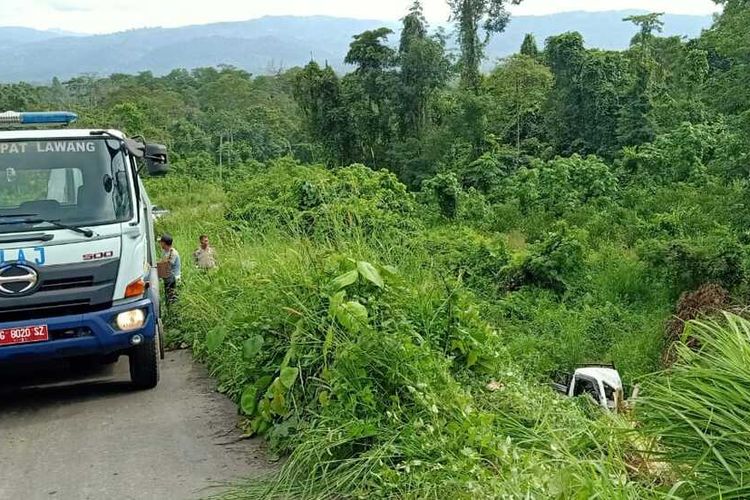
(78,260)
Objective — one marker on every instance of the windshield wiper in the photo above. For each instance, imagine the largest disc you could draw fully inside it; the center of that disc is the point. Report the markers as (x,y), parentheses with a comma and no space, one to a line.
(88,233)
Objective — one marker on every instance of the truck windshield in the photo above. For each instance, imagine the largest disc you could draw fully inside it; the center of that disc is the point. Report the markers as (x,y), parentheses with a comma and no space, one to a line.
(79,182)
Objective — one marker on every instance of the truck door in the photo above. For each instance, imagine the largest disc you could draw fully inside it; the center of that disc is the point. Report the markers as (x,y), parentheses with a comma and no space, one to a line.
(587,385)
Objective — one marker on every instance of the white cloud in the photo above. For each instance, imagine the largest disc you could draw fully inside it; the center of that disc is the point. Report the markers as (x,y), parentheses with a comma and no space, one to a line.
(103,16)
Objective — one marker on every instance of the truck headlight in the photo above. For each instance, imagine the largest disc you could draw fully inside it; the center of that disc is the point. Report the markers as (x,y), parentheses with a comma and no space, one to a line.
(130,320)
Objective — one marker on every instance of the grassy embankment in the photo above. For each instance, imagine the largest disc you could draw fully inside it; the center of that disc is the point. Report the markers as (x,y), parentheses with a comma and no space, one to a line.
(395,354)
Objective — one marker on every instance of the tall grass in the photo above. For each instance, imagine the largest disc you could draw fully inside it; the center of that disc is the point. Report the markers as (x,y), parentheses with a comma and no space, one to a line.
(699,412)
(418,381)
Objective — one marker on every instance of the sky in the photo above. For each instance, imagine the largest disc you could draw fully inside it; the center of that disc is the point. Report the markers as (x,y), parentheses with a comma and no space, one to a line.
(106,16)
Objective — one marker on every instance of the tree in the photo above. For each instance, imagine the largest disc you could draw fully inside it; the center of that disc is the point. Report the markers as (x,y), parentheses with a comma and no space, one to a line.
(319,95)
(648,24)
(565,56)
(369,52)
(635,121)
(369,92)
(529,47)
(414,27)
(473,17)
(585,96)
(519,87)
(424,70)
(729,39)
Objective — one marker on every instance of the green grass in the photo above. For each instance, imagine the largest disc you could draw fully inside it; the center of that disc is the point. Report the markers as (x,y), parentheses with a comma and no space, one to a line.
(699,412)
(394,361)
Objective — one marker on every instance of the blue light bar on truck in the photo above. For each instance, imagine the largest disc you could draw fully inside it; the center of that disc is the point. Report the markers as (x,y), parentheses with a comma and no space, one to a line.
(37,118)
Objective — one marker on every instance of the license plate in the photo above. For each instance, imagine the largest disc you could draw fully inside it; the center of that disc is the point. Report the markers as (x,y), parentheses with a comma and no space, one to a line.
(24,335)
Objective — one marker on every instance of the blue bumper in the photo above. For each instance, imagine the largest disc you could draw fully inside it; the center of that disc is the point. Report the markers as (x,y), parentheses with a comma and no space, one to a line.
(80,335)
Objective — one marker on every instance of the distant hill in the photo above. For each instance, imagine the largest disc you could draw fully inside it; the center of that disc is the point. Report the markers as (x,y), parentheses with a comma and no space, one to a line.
(603,30)
(13,36)
(267,44)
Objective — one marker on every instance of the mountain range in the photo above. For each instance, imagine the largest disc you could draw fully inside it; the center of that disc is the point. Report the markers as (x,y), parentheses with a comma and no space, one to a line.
(268,44)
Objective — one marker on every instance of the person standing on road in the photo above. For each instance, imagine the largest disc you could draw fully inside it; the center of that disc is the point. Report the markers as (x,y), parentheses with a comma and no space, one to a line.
(171,257)
(205,257)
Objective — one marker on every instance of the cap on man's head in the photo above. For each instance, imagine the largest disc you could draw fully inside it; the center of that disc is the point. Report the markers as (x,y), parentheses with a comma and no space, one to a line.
(166,239)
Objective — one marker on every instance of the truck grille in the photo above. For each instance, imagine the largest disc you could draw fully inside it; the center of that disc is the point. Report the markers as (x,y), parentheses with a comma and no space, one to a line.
(68,308)
(64,291)
(66,283)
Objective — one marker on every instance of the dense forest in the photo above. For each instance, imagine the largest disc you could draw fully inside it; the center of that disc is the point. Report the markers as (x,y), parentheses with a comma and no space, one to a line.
(411,250)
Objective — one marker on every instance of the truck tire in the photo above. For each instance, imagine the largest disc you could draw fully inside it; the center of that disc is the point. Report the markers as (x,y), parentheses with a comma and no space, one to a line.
(144,364)
(155,296)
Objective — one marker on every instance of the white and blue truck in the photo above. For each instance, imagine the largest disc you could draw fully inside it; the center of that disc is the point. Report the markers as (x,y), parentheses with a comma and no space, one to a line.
(78,259)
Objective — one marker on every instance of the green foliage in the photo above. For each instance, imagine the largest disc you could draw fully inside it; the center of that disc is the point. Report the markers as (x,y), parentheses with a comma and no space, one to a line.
(446,190)
(585,95)
(562,184)
(690,262)
(553,262)
(389,329)
(424,70)
(316,201)
(647,24)
(697,413)
(319,94)
(472,17)
(479,260)
(375,377)
(529,46)
(520,88)
(684,154)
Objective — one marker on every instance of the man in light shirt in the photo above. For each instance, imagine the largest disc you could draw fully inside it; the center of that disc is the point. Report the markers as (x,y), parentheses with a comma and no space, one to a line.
(171,257)
(205,256)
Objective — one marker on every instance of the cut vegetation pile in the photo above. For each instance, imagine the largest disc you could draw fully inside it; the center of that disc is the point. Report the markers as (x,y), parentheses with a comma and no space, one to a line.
(708,300)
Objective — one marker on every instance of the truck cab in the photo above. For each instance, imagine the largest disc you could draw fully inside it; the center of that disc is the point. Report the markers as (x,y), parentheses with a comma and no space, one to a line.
(77,246)
(600,382)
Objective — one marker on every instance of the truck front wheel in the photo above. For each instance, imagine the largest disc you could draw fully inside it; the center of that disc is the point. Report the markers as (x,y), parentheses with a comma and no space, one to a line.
(144,364)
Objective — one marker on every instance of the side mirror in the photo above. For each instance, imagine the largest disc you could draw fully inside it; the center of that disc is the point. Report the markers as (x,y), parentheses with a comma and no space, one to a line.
(157,159)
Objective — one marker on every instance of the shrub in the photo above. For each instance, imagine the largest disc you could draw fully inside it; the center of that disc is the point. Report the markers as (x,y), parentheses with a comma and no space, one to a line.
(680,155)
(688,263)
(319,202)
(553,262)
(446,189)
(477,258)
(561,184)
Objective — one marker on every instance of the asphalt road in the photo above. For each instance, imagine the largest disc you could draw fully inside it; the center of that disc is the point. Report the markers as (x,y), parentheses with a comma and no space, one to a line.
(97,439)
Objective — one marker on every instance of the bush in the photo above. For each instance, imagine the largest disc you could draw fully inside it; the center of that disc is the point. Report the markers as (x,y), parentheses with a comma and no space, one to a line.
(446,190)
(683,154)
(561,184)
(478,259)
(315,201)
(687,263)
(553,262)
